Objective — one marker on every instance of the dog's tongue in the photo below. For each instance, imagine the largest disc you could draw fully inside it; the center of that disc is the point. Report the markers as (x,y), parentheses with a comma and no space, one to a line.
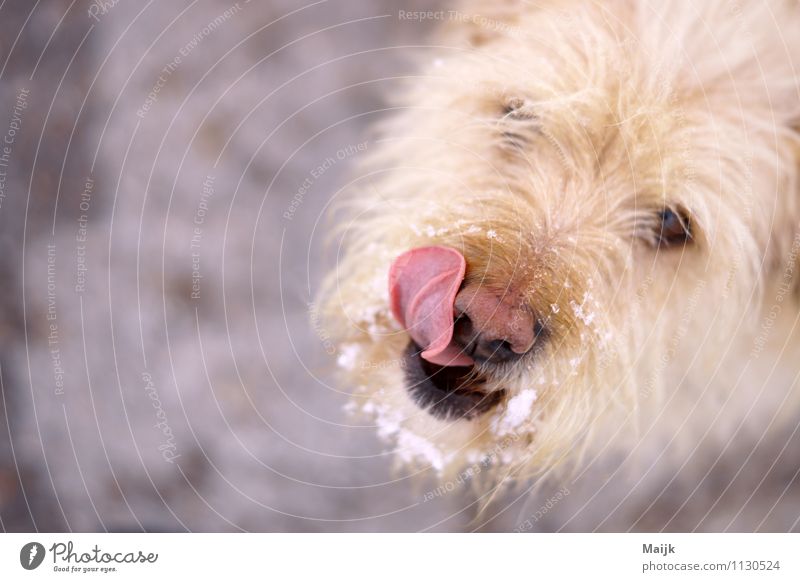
(423,284)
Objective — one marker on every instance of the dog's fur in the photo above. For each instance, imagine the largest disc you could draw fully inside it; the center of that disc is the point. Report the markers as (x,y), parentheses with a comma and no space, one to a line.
(543,143)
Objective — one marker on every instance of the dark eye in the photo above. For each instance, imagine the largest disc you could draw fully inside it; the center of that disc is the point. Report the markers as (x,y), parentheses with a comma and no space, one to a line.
(518,109)
(675,228)
(518,123)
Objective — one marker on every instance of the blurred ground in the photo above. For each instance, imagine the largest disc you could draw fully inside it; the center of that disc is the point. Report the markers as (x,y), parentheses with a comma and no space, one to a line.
(161,230)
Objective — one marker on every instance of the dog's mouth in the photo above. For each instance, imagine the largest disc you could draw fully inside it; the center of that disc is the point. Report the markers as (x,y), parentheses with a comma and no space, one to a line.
(447,392)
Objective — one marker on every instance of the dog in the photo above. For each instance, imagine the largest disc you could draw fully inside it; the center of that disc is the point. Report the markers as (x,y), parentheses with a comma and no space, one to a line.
(578,235)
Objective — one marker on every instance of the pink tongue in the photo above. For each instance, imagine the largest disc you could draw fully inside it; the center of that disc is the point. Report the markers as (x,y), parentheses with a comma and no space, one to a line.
(423,284)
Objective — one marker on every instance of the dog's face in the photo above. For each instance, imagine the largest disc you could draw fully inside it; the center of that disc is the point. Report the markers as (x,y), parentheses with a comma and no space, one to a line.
(540,234)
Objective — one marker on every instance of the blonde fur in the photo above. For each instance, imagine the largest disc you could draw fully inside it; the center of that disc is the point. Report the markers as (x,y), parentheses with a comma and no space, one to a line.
(542,143)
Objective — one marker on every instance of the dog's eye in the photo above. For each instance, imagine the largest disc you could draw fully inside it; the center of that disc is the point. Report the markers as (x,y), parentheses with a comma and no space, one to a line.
(518,109)
(675,228)
(518,123)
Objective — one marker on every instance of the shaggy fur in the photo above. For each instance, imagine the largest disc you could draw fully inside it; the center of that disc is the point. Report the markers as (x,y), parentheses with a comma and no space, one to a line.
(545,144)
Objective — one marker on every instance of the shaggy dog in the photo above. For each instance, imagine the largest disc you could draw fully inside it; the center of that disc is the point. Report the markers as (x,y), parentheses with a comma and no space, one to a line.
(579,232)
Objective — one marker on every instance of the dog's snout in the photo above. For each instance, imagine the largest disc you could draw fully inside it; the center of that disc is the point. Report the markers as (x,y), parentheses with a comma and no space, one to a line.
(493,325)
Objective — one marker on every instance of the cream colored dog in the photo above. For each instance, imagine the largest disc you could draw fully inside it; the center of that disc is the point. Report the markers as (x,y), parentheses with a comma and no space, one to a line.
(580,233)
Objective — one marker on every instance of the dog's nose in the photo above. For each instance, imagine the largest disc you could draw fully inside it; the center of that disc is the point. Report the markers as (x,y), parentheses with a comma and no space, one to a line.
(493,325)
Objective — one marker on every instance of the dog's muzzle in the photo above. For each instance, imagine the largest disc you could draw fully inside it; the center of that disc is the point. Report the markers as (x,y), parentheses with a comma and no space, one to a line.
(447,392)
(456,330)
